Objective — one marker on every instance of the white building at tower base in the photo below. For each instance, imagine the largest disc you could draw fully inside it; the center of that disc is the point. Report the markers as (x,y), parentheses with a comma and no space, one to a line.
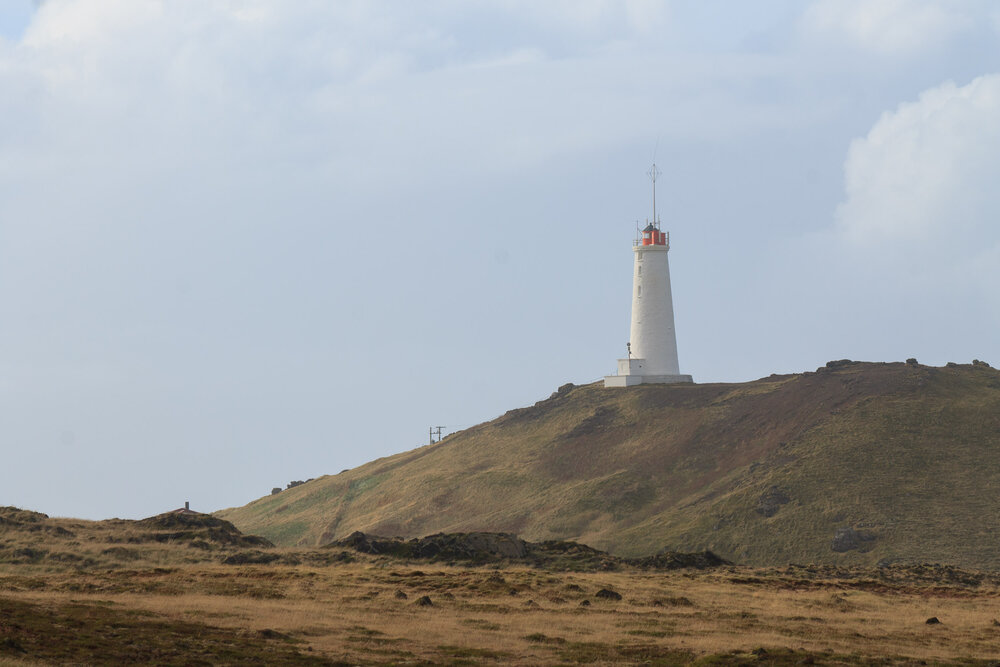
(626,379)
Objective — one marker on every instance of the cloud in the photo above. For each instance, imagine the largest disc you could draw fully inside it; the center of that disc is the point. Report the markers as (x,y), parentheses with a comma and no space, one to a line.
(126,88)
(594,15)
(892,27)
(923,180)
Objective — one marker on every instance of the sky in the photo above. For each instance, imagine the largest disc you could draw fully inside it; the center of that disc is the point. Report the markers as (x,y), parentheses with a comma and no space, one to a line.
(244,242)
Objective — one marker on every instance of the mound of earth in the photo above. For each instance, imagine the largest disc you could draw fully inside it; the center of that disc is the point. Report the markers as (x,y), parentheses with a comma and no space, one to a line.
(15,516)
(489,548)
(33,538)
(175,526)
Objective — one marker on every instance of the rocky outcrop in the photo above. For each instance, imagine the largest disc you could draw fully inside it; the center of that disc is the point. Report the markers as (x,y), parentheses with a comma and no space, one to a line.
(673,560)
(484,548)
(442,546)
(771,501)
(849,539)
(179,527)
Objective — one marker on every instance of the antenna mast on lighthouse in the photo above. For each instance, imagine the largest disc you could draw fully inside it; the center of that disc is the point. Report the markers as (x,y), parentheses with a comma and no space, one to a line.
(653,173)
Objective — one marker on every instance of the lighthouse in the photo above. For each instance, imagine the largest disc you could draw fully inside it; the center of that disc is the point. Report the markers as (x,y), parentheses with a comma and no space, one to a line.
(652,346)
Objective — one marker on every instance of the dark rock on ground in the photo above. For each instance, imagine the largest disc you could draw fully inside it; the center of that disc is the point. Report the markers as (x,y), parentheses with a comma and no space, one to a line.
(562,390)
(250,558)
(442,546)
(608,594)
(771,501)
(29,555)
(563,555)
(484,548)
(673,560)
(680,601)
(847,539)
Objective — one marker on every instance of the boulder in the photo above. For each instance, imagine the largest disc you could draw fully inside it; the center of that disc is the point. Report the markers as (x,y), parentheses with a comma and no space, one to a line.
(607,594)
(848,539)
(771,501)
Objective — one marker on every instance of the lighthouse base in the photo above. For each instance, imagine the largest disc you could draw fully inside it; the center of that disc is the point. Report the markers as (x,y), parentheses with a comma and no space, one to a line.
(630,372)
(629,380)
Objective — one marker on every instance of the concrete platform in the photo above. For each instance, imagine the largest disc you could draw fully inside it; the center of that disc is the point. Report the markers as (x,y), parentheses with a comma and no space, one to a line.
(630,380)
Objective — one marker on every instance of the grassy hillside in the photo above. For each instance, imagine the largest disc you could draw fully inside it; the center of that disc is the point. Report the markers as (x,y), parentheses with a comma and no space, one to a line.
(855,463)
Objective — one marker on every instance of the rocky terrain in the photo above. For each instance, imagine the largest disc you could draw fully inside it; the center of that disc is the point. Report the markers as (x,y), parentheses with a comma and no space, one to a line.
(508,549)
(182,589)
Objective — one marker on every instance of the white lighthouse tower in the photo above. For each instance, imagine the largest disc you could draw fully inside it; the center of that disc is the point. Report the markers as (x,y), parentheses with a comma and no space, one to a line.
(652,348)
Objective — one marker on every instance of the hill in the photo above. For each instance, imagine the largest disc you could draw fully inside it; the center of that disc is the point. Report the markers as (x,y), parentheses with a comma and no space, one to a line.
(854,464)
(33,538)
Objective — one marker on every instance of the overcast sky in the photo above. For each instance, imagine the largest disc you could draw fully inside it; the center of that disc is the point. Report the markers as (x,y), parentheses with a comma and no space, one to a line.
(244,242)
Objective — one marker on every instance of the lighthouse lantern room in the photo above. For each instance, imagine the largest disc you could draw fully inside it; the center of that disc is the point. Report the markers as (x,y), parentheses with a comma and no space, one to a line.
(652,348)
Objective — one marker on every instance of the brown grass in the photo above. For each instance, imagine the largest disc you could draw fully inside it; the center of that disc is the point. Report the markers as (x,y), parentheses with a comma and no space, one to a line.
(352,613)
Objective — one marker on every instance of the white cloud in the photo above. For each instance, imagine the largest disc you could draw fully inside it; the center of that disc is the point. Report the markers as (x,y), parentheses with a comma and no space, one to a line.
(921,185)
(107,86)
(899,27)
(594,15)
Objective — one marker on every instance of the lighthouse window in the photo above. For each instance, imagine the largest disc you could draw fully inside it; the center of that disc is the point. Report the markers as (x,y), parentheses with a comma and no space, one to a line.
(640,270)
(638,291)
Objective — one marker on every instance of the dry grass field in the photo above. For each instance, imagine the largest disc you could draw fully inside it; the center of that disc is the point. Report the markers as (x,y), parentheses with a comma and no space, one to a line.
(75,592)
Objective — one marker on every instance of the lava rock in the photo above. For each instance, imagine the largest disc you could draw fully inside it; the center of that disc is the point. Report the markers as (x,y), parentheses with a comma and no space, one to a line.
(848,539)
(673,560)
(250,558)
(771,501)
(442,546)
